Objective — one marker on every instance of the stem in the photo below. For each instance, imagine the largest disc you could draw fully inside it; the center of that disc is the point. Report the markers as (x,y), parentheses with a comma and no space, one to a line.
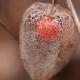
(8,29)
(52,6)
(74,14)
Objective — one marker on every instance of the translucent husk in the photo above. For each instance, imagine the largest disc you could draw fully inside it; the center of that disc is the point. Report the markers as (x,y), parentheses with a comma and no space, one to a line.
(42,59)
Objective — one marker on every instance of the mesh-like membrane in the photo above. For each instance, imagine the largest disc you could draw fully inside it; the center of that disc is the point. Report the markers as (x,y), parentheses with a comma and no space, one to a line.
(39,49)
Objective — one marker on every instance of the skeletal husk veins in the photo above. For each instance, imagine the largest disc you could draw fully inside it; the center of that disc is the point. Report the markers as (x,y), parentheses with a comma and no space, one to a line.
(44,59)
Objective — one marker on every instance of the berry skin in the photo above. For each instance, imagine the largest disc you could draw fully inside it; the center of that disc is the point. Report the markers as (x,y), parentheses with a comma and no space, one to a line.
(49,29)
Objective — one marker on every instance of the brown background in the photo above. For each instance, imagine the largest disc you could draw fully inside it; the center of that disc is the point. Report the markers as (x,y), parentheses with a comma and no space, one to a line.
(11,67)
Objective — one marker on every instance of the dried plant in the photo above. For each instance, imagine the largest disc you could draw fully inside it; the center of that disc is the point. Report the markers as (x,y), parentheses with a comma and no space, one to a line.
(48,38)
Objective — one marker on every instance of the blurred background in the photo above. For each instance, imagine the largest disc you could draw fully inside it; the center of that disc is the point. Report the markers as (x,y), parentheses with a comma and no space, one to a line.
(11,67)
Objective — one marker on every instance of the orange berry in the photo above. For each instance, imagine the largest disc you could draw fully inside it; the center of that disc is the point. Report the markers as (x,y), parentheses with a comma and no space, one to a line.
(49,28)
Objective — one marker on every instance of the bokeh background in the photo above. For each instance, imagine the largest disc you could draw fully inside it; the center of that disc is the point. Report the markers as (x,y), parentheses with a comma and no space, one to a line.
(11,67)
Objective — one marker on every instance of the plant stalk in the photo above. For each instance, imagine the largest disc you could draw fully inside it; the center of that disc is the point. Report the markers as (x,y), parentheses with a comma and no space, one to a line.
(8,29)
(52,6)
(74,14)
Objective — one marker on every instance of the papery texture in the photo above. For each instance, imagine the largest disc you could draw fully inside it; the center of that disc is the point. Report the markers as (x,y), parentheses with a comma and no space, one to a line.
(43,59)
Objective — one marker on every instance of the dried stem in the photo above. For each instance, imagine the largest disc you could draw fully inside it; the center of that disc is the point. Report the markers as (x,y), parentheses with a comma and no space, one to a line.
(74,14)
(8,29)
(52,6)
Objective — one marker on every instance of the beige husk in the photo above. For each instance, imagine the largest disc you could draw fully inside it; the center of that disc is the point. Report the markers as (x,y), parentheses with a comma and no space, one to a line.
(42,59)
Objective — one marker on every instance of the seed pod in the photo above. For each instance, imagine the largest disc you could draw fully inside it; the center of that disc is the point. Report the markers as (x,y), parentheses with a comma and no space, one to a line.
(47,41)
